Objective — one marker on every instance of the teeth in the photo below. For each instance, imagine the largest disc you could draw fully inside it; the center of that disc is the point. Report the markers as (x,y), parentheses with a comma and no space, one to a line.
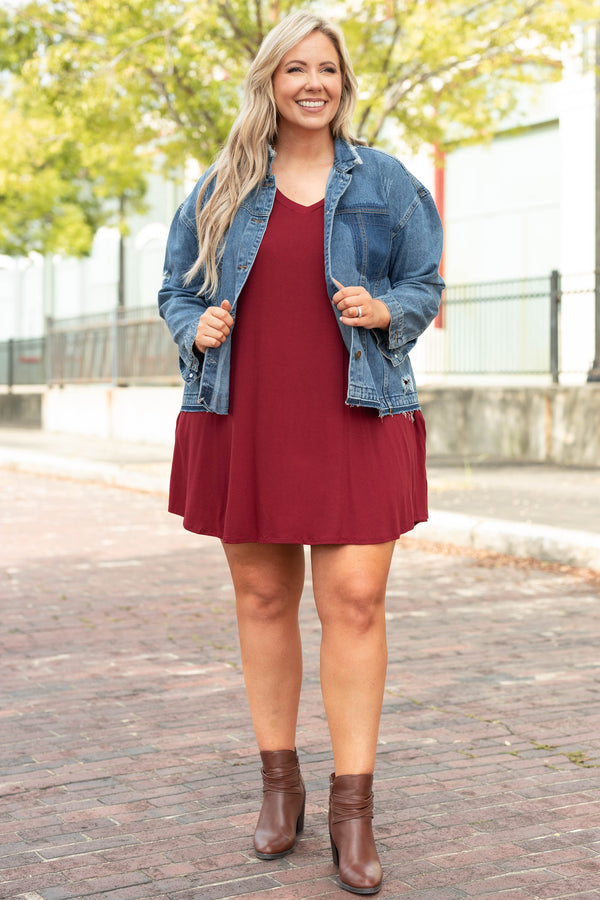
(311,103)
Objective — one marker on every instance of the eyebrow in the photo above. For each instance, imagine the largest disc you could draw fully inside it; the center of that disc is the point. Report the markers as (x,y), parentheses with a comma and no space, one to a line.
(326,62)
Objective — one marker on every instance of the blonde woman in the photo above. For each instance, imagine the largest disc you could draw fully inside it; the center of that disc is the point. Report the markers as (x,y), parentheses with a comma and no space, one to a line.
(298,275)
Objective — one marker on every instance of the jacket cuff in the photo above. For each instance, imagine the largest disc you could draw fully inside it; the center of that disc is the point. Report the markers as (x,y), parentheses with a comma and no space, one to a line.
(390,340)
(396,327)
(190,364)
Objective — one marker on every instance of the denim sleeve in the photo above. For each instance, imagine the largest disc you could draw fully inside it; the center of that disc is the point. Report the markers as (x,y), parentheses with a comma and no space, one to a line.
(416,285)
(181,305)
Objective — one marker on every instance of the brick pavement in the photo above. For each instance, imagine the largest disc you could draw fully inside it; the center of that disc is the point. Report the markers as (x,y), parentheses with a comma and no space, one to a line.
(129,769)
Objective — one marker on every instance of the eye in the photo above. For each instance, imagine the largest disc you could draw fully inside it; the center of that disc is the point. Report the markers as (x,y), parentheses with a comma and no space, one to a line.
(331,70)
(294,69)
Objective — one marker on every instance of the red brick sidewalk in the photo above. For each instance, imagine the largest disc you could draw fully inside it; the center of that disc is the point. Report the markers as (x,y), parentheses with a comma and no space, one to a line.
(128,762)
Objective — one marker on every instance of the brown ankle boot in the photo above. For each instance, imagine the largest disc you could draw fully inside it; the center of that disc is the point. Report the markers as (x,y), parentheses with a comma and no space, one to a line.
(284,796)
(351,833)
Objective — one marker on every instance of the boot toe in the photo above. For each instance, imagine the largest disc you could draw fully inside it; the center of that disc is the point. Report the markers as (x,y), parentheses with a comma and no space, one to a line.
(363,879)
(272,846)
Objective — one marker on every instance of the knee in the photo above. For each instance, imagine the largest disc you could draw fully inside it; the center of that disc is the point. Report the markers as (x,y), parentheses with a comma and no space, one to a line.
(265,603)
(356,608)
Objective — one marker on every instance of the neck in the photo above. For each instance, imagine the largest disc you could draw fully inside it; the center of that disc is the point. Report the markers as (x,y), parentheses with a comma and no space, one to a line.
(300,146)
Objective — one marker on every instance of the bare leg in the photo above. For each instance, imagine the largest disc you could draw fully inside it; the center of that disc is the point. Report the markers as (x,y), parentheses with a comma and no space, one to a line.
(268,580)
(349,584)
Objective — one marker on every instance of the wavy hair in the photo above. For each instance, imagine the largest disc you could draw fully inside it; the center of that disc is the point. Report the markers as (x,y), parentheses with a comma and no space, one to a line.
(243,162)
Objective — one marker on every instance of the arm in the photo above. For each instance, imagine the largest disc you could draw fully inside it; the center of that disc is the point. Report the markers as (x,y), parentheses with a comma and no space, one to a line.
(194,325)
(399,315)
(413,298)
(181,306)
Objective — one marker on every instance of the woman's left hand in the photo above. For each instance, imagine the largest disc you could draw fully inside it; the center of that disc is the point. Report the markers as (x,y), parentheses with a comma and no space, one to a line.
(357,307)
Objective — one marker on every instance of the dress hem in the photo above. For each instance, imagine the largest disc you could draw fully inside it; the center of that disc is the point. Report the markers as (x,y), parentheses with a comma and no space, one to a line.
(310,543)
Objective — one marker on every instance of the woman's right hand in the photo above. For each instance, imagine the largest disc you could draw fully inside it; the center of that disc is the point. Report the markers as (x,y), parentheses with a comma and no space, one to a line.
(214,326)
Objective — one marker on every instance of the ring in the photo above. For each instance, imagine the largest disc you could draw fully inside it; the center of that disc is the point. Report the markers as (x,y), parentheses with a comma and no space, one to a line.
(359,308)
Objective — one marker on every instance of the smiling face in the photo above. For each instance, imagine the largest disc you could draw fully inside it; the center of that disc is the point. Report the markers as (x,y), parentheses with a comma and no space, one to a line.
(307,84)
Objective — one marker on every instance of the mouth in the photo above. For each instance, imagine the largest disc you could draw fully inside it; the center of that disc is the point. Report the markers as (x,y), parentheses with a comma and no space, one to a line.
(311,104)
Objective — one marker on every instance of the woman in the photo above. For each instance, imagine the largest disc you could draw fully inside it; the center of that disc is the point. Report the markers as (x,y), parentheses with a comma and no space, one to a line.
(298,275)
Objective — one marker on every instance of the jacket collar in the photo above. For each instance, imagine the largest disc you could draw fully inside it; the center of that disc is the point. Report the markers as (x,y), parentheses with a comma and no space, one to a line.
(346,156)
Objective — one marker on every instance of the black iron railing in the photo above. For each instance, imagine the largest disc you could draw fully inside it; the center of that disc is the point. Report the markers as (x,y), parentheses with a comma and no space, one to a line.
(522,327)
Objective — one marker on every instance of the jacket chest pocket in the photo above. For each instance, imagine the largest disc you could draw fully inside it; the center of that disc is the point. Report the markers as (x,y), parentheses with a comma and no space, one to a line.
(368,231)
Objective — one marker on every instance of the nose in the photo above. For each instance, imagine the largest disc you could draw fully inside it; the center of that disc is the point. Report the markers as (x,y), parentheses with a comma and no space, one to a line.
(313,82)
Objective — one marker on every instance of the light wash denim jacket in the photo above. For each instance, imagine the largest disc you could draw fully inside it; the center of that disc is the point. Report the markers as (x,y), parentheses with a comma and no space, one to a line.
(382,231)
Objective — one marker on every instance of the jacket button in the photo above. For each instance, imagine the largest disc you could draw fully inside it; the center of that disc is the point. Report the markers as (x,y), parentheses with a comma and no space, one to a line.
(358,354)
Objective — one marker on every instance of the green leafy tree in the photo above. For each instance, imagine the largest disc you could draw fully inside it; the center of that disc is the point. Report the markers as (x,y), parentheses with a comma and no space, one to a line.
(98,93)
(74,156)
(447,71)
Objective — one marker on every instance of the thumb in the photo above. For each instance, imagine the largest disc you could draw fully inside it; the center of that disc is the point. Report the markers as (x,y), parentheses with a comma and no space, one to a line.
(226,305)
(335,281)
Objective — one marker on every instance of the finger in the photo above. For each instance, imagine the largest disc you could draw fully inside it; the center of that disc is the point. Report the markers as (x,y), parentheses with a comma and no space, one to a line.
(218,328)
(211,338)
(354,321)
(353,290)
(352,293)
(339,294)
(216,317)
(211,342)
(352,303)
(224,312)
(212,328)
(226,307)
(355,315)
(344,300)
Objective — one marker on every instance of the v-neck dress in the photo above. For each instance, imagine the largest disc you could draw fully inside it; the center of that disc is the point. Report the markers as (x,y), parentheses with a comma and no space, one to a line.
(291,462)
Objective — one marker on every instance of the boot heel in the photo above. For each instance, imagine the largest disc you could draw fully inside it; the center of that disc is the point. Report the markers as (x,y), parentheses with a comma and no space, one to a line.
(334,852)
(300,822)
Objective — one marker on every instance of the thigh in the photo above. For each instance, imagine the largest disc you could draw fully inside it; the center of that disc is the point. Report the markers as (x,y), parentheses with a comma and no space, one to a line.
(266,570)
(350,574)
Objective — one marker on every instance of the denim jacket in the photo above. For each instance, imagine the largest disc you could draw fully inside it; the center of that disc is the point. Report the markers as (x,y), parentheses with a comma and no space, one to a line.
(382,232)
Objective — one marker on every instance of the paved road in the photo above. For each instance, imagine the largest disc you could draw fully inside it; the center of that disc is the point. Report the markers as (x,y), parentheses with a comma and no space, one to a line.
(129,769)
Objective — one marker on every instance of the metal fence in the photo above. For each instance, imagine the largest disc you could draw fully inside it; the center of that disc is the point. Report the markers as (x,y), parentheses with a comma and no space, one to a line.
(498,327)
(523,327)
(129,346)
(23,362)
(535,326)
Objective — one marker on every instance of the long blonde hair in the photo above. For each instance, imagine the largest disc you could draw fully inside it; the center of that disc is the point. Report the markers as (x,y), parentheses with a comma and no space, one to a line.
(243,162)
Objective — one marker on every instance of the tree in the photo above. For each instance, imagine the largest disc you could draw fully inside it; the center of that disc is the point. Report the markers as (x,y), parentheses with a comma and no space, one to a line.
(448,71)
(72,159)
(98,93)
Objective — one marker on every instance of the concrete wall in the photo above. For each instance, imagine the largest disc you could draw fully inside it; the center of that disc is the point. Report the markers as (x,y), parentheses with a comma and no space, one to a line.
(21,410)
(143,414)
(537,424)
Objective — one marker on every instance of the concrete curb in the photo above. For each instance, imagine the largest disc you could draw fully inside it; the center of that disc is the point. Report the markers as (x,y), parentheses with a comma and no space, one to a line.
(568,547)
(562,545)
(107,473)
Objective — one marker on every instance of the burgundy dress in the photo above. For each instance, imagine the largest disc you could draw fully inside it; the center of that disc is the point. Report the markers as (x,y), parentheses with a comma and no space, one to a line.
(291,463)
